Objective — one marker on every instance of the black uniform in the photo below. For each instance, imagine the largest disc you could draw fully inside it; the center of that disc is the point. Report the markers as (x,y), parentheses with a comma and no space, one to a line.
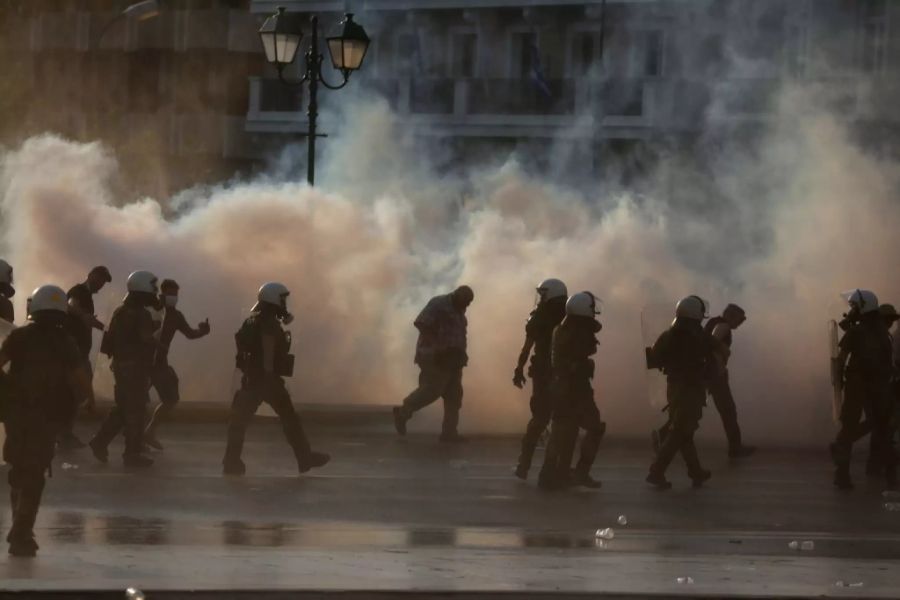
(39,400)
(574,342)
(7,312)
(867,389)
(81,295)
(129,342)
(720,390)
(539,331)
(685,353)
(262,382)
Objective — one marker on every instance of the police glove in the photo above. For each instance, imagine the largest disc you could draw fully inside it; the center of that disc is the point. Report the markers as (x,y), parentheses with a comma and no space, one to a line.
(519,378)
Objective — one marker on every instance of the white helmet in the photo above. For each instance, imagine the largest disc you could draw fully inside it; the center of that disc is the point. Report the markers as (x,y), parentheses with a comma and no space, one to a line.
(273,293)
(552,288)
(864,300)
(692,307)
(48,297)
(583,304)
(6,272)
(142,281)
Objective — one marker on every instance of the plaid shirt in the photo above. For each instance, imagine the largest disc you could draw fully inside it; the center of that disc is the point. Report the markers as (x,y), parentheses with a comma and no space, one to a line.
(441,327)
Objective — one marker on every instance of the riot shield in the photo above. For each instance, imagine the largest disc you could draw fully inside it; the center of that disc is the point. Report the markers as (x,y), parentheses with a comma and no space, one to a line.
(837,377)
(655,319)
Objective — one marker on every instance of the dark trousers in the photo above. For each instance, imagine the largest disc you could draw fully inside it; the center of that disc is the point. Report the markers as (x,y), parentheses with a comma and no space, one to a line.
(131,394)
(254,391)
(720,390)
(164,380)
(67,428)
(870,396)
(28,449)
(541,413)
(574,409)
(685,410)
(436,381)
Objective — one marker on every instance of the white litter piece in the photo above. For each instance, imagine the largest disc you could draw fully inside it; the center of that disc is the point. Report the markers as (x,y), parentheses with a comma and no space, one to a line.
(685,581)
(892,506)
(134,594)
(69,466)
(605,534)
(808,546)
(622,520)
(794,545)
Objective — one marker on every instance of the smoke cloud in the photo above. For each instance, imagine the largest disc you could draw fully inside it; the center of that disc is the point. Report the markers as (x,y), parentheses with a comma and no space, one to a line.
(779,224)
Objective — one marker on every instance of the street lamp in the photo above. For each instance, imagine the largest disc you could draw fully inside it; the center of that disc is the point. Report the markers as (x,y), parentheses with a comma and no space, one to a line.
(280,36)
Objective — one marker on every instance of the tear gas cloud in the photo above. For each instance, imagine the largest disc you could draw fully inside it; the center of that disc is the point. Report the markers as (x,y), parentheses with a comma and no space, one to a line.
(801,214)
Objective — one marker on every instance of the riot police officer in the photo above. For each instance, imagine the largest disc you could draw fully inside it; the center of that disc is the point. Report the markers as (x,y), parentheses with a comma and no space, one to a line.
(130,343)
(574,343)
(548,314)
(865,365)
(7,291)
(687,354)
(263,356)
(45,382)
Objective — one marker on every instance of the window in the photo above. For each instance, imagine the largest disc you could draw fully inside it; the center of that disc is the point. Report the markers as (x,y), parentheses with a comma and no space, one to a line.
(874,35)
(464,54)
(653,54)
(408,56)
(584,47)
(524,50)
(797,50)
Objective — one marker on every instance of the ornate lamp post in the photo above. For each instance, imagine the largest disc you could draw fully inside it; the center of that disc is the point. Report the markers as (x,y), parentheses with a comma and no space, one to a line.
(281,35)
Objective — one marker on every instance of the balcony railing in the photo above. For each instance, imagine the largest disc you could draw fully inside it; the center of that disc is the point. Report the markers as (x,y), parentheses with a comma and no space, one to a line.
(478,102)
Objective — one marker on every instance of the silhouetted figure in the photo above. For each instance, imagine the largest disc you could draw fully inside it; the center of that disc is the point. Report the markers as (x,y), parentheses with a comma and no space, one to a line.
(84,321)
(7,291)
(441,356)
(865,365)
(264,358)
(163,378)
(131,344)
(44,382)
(574,343)
(548,314)
(687,354)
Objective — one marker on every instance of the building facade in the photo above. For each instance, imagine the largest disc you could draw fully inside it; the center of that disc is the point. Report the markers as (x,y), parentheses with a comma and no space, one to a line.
(609,82)
(168,92)
(617,78)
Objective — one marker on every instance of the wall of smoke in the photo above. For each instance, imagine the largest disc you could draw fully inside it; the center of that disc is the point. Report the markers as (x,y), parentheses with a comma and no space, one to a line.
(780,224)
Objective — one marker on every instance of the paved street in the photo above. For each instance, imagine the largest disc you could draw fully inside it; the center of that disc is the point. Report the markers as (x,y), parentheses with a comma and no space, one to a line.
(411,514)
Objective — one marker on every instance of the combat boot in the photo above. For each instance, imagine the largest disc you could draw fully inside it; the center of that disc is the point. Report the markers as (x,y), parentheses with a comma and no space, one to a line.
(699,477)
(842,480)
(312,460)
(233,467)
(741,451)
(23,547)
(99,451)
(584,479)
(524,464)
(400,420)
(658,480)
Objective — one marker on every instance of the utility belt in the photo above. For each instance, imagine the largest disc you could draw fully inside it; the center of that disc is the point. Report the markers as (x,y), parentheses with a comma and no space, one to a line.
(249,364)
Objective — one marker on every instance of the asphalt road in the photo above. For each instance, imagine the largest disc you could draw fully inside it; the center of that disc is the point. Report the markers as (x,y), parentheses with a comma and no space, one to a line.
(411,514)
